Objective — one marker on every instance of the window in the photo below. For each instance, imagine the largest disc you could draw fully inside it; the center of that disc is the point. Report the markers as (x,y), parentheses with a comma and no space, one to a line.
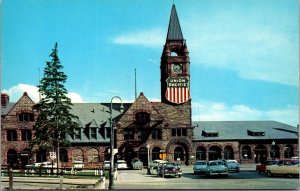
(26,135)
(77,133)
(93,133)
(210,134)
(128,134)
(156,134)
(24,117)
(11,135)
(255,133)
(142,134)
(142,117)
(179,132)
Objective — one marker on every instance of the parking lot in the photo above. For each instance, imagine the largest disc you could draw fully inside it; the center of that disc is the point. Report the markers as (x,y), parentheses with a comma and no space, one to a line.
(139,179)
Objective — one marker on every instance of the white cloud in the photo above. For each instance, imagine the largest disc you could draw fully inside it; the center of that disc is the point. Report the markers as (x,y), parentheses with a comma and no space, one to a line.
(16,92)
(148,38)
(255,52)
(216,111)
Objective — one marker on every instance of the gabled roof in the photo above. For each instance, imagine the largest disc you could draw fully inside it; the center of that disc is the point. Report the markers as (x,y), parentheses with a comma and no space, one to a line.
(174,30)
(238,130)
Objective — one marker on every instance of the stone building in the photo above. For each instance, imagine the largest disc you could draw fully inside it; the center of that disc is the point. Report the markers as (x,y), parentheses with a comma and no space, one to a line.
(164,129)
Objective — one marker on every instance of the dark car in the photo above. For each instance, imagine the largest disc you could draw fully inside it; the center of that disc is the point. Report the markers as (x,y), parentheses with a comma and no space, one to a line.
(263,165)
(233,166)
(169,169)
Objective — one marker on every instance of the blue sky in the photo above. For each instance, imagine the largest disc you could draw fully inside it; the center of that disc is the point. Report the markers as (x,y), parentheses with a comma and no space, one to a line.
(244,54)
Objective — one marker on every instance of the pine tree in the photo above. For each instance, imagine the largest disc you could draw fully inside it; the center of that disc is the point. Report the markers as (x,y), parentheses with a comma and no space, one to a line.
(55,119)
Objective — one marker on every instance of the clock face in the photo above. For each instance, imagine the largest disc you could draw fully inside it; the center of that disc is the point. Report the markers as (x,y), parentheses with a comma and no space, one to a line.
(177,68)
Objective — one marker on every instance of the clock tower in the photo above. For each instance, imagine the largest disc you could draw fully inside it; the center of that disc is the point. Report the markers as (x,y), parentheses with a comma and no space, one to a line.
(175,65)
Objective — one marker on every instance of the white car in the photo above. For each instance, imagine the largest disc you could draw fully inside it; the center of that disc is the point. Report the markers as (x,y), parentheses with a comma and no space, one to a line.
(155,163)
(121,164)
(78,164)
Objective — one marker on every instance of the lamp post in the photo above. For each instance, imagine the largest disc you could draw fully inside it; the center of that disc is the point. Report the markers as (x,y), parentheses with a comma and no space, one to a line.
(112,170)
(273,149)
(148,168)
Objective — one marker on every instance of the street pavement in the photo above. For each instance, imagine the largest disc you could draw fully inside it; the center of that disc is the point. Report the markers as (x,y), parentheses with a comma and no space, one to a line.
(139,179)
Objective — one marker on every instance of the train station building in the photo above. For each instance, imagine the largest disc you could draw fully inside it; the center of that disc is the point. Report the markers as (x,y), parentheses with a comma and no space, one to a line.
(164,129)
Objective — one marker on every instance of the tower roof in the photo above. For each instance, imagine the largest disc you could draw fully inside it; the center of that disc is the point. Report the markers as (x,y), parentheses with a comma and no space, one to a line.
(174,30)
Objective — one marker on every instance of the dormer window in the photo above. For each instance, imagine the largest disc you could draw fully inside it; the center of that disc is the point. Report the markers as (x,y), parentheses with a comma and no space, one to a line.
(255,133)
(142,117)
(25,117)
(77,133)
(210,134)
(93,133)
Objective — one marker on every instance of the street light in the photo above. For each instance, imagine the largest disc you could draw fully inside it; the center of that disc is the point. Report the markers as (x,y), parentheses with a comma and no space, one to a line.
(111,175)
(148,169)
(273,149)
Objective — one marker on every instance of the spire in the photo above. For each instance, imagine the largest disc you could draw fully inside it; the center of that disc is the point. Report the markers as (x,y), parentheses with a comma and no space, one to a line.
(174,30)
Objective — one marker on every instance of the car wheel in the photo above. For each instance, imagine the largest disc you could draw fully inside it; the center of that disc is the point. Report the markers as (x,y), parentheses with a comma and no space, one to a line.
(269,173)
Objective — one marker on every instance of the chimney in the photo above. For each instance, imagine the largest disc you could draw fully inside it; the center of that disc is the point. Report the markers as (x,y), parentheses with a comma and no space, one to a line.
(4,99)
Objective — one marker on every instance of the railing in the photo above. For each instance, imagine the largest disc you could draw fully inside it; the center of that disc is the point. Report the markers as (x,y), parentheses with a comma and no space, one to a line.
(52,172)
(97,174)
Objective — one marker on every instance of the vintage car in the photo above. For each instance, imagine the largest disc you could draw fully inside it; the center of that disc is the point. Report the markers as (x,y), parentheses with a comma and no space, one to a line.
(121,164)
(199,167)
(137,164)
(78,164)
(263,165)
(233,166)
(216,167)
(169,169)
(155,163)
(289,168)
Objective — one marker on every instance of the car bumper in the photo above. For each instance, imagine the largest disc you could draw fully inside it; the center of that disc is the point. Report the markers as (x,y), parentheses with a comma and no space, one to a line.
(199,171)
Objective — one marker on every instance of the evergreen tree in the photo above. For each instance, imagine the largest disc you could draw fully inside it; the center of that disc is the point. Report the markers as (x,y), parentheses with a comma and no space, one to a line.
(54,120)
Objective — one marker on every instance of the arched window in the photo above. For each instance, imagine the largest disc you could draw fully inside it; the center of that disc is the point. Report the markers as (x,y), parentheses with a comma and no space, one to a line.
(41,155)
(78,155)
(246,152)
(12,158)
(228,152)
(93,156)
(201,153)
(214,153)
(155,153)
(260,153)
(288,151)
(274,152)
(63,154)
(178,154)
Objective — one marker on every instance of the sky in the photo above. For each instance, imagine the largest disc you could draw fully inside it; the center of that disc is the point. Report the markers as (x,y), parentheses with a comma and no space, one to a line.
(244,54)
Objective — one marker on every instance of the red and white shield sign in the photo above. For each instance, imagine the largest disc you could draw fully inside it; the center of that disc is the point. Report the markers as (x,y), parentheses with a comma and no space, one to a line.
(178,90)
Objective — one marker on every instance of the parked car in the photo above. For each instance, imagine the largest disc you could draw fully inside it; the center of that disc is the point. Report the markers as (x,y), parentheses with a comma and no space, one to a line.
(155,163)
(121,164)
(262,166)
(33,167)
(78,164)
(200,167)
(216,167)
(137,164)
(169,169)
(106,164)
(233,166)
(289,168)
